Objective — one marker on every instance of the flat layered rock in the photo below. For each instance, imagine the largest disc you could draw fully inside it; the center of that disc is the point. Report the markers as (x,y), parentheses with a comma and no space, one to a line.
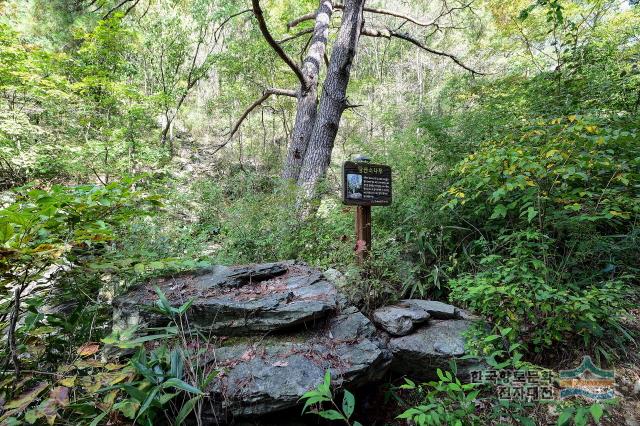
(241,300)
(430,347)
(400,319)
(266,377)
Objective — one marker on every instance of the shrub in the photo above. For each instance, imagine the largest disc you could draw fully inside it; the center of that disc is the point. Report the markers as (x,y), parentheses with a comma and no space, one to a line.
(554,205)
(522,293)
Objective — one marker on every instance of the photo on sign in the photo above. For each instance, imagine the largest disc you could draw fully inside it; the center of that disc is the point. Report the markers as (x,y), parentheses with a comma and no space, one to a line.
(354,186)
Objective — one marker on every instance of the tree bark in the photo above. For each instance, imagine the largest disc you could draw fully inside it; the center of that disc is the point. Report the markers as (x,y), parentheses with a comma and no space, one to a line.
(308,97)
(333,101)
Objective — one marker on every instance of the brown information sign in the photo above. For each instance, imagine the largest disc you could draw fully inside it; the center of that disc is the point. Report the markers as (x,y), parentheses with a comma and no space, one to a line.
(366,184)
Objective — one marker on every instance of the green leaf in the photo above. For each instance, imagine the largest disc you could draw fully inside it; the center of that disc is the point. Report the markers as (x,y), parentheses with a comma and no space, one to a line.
(331,415)
(408,384)
(166,398)
(179,384)
(134,392)
(499,212)
(314,400)
(156,265)
(182,309)
(596,412)
(564,417)
(163,303)
(148,401)
(98,418)
(186,409)
(491,338)
(348,403)
(212,375)
(26,398)
(127,408)
(128,344)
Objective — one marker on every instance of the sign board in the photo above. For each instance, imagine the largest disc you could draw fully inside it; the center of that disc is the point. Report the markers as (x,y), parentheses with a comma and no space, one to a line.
(365,184)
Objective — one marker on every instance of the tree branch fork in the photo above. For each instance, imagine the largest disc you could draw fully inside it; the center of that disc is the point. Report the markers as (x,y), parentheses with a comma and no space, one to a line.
(306,83)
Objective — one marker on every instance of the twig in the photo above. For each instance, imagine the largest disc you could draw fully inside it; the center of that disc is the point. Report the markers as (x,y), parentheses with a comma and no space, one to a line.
(388,33)
(12,331)
(294,36)
(306,17)
(265,95)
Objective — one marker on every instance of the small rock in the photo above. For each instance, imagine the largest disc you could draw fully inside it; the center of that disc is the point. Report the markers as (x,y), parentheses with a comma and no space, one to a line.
(437,310)
(350,324)
(399,320)
(335,276)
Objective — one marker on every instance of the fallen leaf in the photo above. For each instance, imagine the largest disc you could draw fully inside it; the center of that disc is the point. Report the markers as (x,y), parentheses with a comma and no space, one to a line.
(26,398)
(68,381)
(49,409)
(88,363)
(112,366)
(88,349)
(247,355)
(60,395)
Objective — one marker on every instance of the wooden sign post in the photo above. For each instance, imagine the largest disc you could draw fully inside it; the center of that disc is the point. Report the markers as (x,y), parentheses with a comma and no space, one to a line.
(365,185)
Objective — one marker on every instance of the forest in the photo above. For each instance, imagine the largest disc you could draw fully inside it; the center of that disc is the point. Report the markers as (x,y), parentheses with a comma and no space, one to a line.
(175,247)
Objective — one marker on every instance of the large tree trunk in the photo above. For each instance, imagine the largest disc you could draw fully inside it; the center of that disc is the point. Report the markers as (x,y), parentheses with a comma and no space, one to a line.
(333,101)
(308,97)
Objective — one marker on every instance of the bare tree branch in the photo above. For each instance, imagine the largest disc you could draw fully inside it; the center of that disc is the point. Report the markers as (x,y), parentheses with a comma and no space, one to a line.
(388,33)
(300,19)
(265,95)
(223,23)
(257,11)
(296,35)
(433,23)
(376,32)
(396,14)
(118,6)
(130,8)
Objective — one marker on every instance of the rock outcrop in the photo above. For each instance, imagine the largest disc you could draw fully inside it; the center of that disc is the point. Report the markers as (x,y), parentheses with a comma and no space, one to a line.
(233,301)
(272,375)
(283,325)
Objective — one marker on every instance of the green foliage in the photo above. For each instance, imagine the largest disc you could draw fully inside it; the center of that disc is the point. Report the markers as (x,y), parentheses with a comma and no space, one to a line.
(147,386)
(54,245)
(579,414)
(263,225)
(558,208)
(40,227)
(542,311)
(443,402)
(566,171)
(70,115)
(322,394)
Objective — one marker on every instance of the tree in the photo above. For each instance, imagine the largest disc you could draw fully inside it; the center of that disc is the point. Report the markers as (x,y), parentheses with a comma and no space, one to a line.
(180,41)
(318,117)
